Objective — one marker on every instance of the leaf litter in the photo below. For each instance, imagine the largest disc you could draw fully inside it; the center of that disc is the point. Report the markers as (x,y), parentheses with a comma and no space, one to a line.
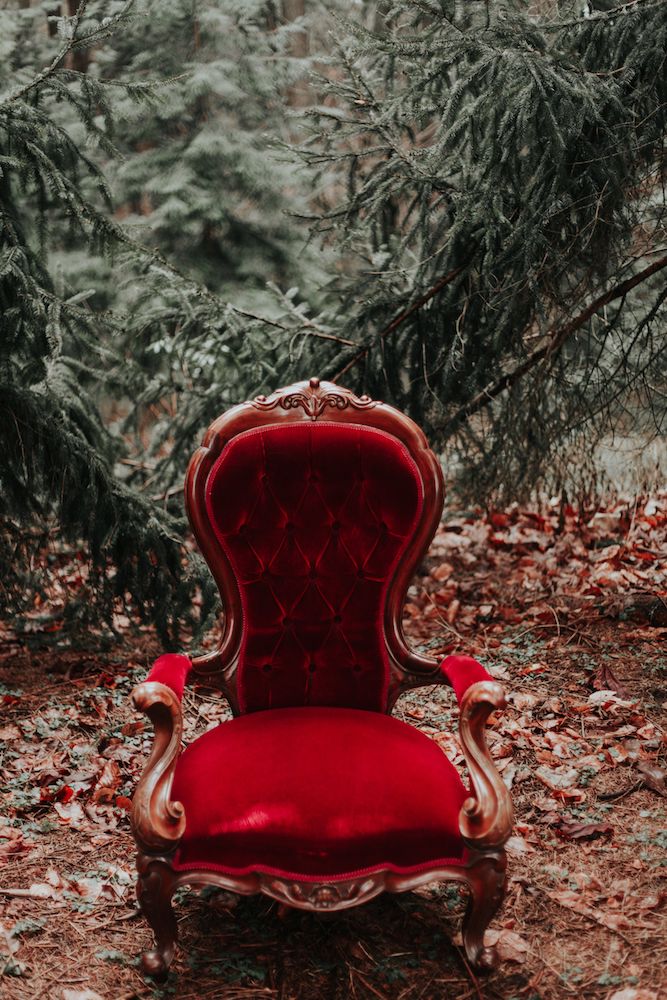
(562,605)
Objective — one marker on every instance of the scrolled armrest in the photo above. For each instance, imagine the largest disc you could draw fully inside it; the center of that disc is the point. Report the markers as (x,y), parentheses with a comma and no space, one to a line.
(157,822)
(171,669)
(460,672)
(486,817)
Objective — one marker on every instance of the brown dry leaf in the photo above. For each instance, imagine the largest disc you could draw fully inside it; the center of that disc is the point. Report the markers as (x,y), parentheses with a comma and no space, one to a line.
(614,921)
(452,611)
(38,890)
(10,732)
(653,777)
(652,902)
(631,993)
(570,830)
(132,728)
(573,901)
(564,777)
(12,843)
(107,783)
(415,712)
(606,680)
(519,845)
(511,946)
(523,700)
(607,699)
(70,812)
(81,995)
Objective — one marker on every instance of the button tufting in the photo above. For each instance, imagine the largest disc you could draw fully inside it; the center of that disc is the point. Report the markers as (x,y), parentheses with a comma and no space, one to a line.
(305,602)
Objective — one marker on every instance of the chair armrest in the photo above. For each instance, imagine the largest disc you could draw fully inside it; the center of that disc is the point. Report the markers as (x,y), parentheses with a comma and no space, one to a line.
(487,816)
(172,670)
(157,822)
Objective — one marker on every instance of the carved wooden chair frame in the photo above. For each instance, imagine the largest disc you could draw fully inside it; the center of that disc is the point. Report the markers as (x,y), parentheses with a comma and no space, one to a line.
(158,823)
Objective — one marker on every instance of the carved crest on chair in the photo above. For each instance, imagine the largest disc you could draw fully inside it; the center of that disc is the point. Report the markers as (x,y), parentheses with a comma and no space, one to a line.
(314,399)
(324,895)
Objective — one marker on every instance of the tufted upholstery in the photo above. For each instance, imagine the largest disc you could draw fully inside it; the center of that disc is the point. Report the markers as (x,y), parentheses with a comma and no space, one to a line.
(313,519)
(371,792)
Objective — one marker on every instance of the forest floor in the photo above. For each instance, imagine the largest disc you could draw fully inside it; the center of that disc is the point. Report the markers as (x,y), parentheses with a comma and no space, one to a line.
(568,609)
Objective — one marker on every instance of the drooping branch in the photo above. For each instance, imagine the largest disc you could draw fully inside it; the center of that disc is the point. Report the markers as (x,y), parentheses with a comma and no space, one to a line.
(396,322)
(558,337)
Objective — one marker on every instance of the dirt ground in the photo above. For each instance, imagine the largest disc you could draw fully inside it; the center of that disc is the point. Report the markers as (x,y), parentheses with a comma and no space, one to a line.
(564,607)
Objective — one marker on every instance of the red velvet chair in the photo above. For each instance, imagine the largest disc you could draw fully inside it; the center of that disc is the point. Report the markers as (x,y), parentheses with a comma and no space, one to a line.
(313,507)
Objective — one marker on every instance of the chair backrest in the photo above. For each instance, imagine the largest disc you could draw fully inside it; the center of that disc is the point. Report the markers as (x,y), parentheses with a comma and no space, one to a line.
(312,507)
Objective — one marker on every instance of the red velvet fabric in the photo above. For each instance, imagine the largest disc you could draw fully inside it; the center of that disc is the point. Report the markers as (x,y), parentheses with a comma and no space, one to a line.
(461,672)
(171,669)
(314,519)
(317,792)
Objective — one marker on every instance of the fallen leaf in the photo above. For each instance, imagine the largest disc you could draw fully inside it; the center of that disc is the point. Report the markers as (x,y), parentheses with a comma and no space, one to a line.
(38,890)
(81,995)
(511,946)
(606,698)
(653,777)
(107,783)
(12,842)
(583,831)
(70,812)
(565,777)
(443,571)
(606,680)
(519,845)
(523,700)
(574,901)
(10,732)
(630,993)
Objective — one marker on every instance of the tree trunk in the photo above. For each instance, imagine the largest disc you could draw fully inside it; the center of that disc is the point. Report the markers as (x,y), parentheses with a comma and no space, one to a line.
(298,94)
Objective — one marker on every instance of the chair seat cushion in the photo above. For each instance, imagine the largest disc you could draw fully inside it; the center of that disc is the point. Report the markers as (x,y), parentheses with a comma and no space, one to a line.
(317,792)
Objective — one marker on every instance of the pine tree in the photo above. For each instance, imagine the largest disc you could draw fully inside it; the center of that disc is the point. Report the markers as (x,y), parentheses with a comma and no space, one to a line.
(58,457)
(503,211)
(144,330)
(200,176)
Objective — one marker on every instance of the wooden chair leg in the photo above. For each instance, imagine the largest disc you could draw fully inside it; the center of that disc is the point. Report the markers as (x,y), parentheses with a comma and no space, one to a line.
(486,879)
(155,888)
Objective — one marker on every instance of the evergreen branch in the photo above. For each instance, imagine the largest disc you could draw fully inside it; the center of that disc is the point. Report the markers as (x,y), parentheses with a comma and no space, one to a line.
(313,331)
(603,15)
(558,338)
(72,43)
(398,320)
(55,62)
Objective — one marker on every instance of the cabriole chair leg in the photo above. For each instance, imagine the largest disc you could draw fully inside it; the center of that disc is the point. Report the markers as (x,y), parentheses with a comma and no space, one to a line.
(154,891)
(486,880)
